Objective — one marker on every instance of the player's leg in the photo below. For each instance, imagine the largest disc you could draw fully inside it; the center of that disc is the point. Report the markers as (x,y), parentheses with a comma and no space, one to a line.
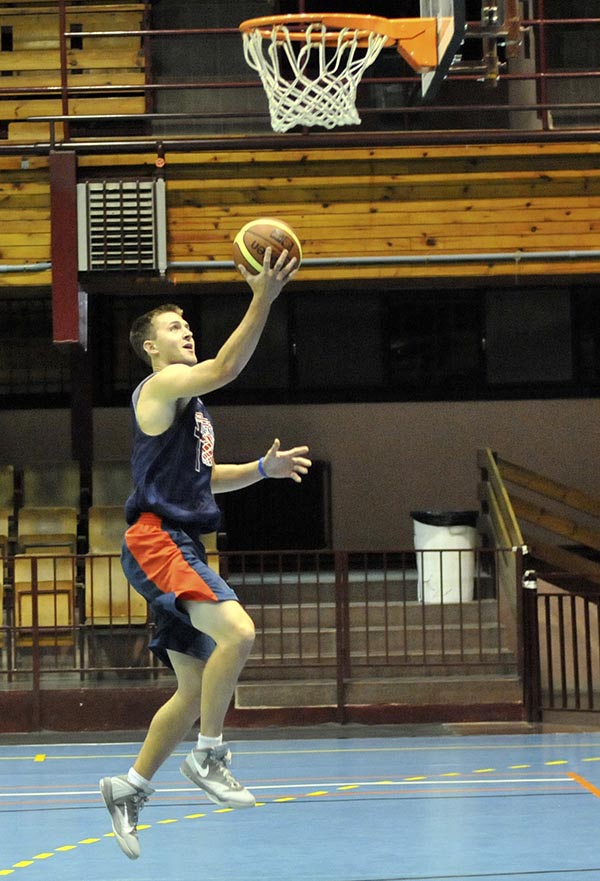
(232,630)
(126,795)
(173,721)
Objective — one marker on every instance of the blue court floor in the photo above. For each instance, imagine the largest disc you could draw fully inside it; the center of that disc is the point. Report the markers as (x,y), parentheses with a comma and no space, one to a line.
(517,807)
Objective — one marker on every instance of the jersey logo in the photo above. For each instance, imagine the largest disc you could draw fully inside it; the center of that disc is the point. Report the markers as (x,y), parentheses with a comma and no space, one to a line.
(205,437)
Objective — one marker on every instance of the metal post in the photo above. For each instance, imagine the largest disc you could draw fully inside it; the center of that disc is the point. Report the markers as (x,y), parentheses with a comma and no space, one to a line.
(36,709)
(341,633)
(527,580)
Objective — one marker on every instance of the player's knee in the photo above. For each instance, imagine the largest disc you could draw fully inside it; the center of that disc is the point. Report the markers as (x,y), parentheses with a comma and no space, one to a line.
(244,633)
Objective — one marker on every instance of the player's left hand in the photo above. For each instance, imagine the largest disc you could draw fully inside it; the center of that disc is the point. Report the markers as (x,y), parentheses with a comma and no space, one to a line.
(270,281)
(286,463)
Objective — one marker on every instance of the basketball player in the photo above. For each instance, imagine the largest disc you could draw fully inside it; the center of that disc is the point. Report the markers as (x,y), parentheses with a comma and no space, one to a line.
(202,631)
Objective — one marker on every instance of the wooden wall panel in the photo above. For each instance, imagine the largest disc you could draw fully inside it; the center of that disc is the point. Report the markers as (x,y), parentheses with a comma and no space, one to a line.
(394,202)
(388,202)
(24,219)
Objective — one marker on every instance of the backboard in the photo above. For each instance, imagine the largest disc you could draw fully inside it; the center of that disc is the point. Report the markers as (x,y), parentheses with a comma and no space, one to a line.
(450,16)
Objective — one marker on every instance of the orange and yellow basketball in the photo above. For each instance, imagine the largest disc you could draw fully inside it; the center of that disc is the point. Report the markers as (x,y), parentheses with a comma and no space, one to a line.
(255,237)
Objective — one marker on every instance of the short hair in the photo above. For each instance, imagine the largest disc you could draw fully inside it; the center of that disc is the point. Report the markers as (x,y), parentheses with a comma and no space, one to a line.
(142,329)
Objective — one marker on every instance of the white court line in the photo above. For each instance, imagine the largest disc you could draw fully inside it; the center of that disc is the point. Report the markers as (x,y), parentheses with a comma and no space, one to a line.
(360,784)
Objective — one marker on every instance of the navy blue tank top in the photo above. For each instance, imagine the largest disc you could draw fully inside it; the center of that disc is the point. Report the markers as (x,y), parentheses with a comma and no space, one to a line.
(172,470)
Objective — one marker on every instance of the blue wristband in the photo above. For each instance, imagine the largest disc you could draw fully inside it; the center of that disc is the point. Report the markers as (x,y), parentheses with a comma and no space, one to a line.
(261,470)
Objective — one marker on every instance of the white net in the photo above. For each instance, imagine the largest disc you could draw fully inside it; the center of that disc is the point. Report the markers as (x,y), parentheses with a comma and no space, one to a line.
(312,80)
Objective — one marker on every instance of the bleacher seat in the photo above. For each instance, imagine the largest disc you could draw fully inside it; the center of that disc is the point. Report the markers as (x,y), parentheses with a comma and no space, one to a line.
(7,486)
(53,576)
(51,484)
(7,504)
(46,528)
(2,586)
(111,482)
(5,515)
(209,540)
(109,600)
(46,543)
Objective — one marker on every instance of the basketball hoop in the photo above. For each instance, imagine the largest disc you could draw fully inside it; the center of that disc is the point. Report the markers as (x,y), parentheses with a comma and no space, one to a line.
(311,65)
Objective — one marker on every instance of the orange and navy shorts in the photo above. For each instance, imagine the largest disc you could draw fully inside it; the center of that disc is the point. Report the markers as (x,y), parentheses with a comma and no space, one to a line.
(166,565)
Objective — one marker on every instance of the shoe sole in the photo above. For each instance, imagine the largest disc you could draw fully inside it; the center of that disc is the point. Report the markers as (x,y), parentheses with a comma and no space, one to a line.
(211,795)
(106,792)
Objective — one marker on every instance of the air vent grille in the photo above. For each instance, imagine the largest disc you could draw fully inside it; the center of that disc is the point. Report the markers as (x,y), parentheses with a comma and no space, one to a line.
(122,225)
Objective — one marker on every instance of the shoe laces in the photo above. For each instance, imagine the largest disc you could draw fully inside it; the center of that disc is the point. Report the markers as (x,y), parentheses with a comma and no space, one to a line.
(134,804)
(220,758)
(223,754)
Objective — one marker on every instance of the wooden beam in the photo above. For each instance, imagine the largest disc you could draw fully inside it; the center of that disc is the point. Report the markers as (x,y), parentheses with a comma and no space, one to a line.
(551,489)
(92,59)
(22,108)
(562,526)
(566,561)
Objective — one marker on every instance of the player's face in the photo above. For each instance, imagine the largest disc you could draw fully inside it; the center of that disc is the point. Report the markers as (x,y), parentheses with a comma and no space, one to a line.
(173,342)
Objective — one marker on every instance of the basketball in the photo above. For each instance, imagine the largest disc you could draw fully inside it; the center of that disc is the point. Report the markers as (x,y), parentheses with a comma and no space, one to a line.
(254,238)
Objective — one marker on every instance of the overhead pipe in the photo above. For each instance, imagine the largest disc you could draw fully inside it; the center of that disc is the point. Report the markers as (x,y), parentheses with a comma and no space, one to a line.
(387,260)
(412,259)
(25,267)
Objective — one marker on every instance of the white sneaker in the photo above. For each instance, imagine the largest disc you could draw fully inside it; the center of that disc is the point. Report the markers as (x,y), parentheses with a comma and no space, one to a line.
(207,768)
(124,802)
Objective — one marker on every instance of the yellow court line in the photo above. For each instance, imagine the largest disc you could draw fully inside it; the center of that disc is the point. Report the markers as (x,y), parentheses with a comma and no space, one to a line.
(325,750)
(316,793)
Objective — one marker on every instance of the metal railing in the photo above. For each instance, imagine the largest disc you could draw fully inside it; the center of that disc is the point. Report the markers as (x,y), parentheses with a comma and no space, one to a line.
(543,87)
(558,615)
(569,645)
(329,614)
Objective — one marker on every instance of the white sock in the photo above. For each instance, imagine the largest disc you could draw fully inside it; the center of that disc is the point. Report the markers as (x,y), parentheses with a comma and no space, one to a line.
(209,742)
(137,780)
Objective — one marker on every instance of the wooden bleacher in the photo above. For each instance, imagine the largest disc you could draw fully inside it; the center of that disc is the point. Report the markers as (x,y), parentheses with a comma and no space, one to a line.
(34,62)
(45,574)
(7,507)
(51,484)
(109,600)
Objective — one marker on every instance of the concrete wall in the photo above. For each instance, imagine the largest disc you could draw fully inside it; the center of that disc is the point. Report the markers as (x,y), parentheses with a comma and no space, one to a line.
(386,459)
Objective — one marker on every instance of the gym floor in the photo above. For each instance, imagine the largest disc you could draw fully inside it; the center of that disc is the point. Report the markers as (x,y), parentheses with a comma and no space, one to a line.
(339,805)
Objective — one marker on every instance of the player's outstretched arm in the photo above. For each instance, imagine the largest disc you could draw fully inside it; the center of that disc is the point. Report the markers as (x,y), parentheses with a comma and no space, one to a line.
(292,463)
(181,381)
